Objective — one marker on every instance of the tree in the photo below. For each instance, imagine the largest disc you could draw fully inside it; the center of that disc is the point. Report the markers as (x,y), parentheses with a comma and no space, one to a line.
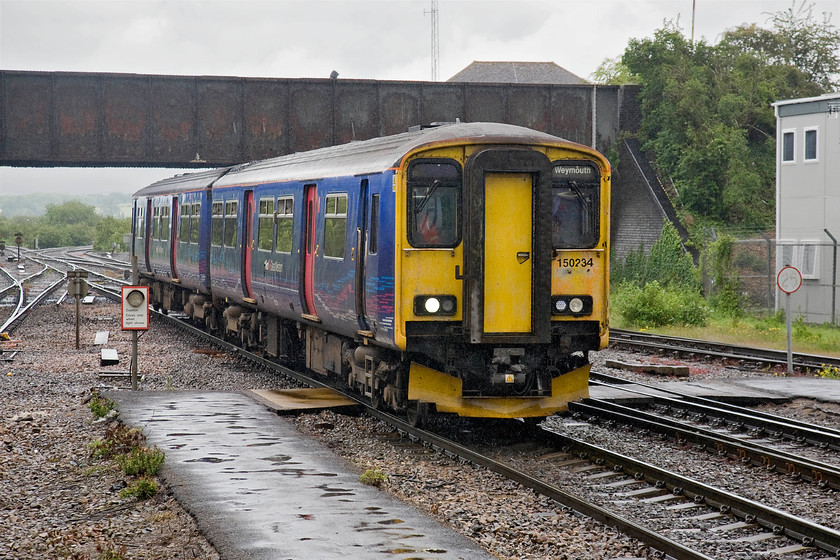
(613,72)
(707,114)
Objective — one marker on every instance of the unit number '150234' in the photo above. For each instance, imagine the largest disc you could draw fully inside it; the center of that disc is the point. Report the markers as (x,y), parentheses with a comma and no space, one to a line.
(574,263)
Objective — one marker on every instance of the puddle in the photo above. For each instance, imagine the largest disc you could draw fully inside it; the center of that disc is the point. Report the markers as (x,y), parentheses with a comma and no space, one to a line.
(208,460)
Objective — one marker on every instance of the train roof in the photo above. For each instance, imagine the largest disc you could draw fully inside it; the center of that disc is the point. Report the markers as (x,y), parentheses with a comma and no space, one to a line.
(356,158)
(185,182)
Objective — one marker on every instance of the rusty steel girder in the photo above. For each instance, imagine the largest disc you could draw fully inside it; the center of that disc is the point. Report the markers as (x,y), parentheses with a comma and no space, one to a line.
(51,119)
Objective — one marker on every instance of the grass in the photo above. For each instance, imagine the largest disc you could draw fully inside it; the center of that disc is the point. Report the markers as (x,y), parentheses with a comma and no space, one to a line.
(823,340)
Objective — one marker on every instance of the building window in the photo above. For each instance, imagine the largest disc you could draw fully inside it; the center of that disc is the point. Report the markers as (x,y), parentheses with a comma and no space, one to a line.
(788,147)
(810,144)
(809,264)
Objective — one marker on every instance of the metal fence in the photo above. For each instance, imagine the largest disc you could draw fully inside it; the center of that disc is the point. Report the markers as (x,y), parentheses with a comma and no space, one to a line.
(756,262)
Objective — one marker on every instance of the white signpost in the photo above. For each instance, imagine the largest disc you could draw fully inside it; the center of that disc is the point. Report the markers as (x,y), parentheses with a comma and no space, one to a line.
(789,280)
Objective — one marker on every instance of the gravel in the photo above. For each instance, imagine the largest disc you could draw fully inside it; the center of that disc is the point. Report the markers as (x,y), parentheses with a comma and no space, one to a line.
(59,502)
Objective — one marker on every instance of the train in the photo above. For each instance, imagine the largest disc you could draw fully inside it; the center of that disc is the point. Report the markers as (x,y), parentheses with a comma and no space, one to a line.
(455,268)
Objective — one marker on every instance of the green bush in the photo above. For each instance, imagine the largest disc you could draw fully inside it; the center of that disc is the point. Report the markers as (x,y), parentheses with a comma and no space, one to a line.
(656,305)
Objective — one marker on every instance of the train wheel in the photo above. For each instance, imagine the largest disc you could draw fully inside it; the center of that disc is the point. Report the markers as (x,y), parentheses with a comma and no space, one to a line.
(376,400)
(417,413)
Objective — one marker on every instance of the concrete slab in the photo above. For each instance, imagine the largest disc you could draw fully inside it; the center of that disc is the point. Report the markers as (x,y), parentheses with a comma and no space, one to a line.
(261,490)
(310,399)
(734,391)
(826,390)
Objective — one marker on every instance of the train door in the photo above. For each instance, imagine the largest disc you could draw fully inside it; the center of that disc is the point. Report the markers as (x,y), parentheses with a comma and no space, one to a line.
(310,208)
(508,246)
(173,237)
(248,244)
(147,225)
(361,258)
(507,253)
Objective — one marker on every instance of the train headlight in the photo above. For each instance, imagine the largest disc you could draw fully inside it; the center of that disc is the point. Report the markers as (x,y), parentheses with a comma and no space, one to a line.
(435,305)
(571,305)
(432,305)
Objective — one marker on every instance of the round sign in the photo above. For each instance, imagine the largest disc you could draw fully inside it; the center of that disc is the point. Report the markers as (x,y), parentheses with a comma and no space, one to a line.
(789,279)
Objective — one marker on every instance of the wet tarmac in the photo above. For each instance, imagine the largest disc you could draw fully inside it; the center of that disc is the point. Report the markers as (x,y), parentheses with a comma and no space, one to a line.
(261,490)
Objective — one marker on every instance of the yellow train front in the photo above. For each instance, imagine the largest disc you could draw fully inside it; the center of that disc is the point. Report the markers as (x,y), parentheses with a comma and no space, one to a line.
(501,275)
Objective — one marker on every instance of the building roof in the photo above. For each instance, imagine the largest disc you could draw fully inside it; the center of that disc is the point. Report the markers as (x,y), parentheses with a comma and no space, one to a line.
(516,73)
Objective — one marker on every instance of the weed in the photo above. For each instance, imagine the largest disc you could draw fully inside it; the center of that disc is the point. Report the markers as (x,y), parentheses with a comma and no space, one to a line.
(100,406)
(111,554)
(373,477)
(828,372)
(141,489)
(119,439)
(141,461)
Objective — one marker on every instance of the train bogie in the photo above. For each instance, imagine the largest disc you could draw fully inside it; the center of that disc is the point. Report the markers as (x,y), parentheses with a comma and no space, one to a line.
(463,268)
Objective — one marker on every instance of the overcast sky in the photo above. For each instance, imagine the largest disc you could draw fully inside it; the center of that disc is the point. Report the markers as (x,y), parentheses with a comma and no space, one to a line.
(380,40)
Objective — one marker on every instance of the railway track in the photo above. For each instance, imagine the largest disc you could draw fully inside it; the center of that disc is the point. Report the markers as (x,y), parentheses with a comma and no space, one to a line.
(743,356)
(621,477)
(603,478)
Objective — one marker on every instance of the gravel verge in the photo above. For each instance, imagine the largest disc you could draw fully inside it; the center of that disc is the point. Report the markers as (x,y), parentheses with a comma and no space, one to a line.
(60,502)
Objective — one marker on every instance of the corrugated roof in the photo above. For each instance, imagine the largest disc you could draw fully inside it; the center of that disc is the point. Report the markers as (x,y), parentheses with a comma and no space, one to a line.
(516,73)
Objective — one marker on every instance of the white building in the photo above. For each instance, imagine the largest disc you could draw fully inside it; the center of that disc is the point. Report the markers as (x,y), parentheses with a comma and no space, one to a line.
(808,202)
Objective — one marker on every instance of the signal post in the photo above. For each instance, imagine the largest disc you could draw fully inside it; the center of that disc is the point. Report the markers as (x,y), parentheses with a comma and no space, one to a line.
(135,316)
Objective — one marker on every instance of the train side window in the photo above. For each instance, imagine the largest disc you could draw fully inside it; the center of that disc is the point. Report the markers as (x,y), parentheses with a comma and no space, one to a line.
(335,225)
(217,221)
(140,227)
(164,223)
(155,222)
(195,222)
(575,205)
(184,225)
(230,223)
(373,244)
(434,200)
(265,232)
(285,223)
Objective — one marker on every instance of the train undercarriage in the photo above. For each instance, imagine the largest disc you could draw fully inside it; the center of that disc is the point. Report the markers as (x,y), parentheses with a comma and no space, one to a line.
(436,375)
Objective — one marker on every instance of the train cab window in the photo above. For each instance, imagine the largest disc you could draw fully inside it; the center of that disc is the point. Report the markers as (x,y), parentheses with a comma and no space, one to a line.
(230,223)
(434,200)
(335,225)
(575,204)
(265,230)
(184,225)
(217,223)
(285,223)
(195,222)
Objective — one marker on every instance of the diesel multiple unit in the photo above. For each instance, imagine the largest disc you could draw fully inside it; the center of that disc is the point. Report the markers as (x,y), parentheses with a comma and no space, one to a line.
(461,268)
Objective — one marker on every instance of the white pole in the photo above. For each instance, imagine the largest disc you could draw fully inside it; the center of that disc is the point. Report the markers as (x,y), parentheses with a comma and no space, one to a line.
(789,337)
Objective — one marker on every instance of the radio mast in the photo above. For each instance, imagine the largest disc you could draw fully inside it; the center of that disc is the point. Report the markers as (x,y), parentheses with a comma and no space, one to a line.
(435,40)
